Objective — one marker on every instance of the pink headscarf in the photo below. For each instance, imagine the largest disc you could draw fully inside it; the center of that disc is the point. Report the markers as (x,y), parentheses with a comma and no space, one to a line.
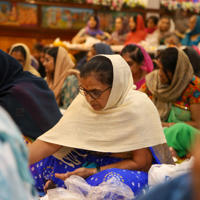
(147,64)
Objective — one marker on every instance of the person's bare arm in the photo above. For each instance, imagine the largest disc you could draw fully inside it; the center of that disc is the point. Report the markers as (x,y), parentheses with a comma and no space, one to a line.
(80,37)
(39,150)
(141,161)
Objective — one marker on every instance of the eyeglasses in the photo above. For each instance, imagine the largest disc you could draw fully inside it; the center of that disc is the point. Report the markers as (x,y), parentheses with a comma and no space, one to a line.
(93,94)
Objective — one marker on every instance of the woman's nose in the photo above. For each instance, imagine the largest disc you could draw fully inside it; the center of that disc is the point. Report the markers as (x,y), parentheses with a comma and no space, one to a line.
(89,98)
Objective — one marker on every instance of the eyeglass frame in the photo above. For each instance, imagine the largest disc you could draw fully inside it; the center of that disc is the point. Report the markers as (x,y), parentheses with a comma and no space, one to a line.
(98,93)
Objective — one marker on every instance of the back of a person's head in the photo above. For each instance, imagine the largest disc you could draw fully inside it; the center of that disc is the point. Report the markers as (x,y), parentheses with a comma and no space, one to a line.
(100,67)
(38,46)
(168,58)
(135,53)
(102,48)
(194,59)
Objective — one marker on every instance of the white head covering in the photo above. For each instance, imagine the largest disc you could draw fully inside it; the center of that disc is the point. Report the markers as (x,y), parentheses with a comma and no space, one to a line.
(172,25)
(128,122)
(27,66)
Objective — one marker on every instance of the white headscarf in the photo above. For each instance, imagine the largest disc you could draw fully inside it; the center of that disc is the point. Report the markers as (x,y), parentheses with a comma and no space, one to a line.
(128,122)
(27,66)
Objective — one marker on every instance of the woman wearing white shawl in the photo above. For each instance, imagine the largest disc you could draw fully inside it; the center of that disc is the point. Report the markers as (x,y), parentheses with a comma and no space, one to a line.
(25,55)
(165,30)
(112,118)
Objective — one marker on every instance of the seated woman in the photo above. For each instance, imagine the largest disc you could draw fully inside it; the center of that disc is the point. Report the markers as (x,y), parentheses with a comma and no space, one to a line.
(99,48)
(118,37)
(61,78)
(193,36)
(27,98)
(107,128)
(58,43)
(137,32)
(16,181)
(92,29)
(22,53)
(175,92)
(139,62)
(151,24)
(165,30)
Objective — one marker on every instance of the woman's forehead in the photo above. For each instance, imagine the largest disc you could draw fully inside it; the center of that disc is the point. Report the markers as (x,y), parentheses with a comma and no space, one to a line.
(165,20)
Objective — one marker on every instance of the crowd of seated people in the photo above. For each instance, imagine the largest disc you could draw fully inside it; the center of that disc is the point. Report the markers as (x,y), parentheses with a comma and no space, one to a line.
(124,111)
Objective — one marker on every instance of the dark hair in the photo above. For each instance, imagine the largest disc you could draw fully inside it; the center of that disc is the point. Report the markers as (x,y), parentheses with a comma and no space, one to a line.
(135,53)
(154,18)
(155,65)
(194,59)
(38,46)
(168,59)
(96,19)
(44,49)
(20,49)
(135,20)
(166,17)
(101,67)
(53,51)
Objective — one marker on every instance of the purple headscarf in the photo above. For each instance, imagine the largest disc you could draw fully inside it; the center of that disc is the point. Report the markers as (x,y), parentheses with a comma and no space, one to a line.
(94,31)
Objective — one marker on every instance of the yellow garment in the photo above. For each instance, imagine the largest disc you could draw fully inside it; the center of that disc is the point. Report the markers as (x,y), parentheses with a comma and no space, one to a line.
(63,68)
(72,58)
(60,44)
(27,66)
(128,122)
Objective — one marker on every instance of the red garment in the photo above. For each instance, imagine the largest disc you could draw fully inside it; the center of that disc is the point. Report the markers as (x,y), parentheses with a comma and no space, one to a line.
(137,35)
(151,30)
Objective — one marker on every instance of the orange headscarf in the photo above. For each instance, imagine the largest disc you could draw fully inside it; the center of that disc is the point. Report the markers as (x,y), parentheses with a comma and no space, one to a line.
(139,34)
(63,68)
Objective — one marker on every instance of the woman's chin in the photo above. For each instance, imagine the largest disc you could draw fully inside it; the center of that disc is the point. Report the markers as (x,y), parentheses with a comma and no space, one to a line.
(96,107)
